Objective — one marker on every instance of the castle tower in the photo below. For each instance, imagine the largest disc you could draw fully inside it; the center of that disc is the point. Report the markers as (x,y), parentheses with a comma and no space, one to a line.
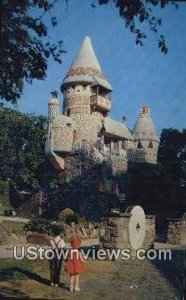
(145,138)
(84,87)
(53,108)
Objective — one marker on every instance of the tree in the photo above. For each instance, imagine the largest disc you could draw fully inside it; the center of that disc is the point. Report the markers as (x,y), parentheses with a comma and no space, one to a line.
(172,157)
(22,148)
(162,187)
(24,45)
(134,12)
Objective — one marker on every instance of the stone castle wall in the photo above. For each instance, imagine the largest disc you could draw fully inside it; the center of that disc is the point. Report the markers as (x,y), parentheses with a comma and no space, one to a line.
(176,232)
(77,100)
(63,129)
(117,232)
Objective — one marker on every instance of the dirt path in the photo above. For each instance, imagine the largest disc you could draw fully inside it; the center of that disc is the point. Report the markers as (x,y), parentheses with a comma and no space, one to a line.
(6,251)
(14,219)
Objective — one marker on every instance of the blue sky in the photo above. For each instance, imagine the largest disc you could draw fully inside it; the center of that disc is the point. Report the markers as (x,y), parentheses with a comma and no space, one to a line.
(138,75)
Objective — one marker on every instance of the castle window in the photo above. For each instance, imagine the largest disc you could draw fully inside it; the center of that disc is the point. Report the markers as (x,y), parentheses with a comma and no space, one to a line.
(124,145)
(74,135)
(150,146)
(68,112)
(139,146)
(68,125)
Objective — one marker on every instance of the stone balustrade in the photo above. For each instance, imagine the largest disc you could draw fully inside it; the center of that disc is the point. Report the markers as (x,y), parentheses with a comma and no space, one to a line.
(101,102)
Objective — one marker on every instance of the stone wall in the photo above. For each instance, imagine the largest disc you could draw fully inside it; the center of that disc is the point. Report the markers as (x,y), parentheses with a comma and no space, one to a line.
(176,231)
(84,230)
(118,165)
(150,231)
(77,100)
(117,234)
(77,187)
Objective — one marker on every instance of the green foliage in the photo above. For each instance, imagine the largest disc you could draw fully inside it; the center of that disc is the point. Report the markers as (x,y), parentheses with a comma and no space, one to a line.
(64,213)
(163,186)
(3,186)
(25,45)
(72,218)
(138,12)
(68,216)
(22,148)
(4,196)
(13,227)
(43,226)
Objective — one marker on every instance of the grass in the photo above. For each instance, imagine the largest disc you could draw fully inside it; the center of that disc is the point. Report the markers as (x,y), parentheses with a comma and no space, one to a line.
(13,227)
(102,280)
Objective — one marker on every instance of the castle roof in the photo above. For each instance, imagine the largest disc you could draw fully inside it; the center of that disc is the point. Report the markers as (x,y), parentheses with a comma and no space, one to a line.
(53,101)
(85,68)
(144,128)
(117,128)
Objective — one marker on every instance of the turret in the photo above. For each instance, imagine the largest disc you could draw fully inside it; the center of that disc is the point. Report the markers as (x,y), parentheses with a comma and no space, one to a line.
(85,88)
(145,138)
(53,106)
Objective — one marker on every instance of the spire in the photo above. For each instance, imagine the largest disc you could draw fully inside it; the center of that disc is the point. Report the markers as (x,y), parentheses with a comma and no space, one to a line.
(53,106)
(144,128)
(85,67)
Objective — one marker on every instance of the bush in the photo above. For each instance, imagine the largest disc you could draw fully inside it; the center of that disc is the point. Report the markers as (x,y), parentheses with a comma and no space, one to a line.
(72,218)
(3,186)
(68,216)
(43,226)
(64,213)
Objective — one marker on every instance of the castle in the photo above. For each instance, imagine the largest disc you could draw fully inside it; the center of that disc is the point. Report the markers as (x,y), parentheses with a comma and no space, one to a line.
(85,125)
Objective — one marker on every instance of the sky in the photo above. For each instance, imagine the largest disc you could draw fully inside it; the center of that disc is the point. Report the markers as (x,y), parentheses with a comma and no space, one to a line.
(139,75)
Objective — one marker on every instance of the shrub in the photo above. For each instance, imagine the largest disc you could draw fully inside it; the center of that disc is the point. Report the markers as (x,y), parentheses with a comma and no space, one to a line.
(72,218)
(64,213)
(43,226)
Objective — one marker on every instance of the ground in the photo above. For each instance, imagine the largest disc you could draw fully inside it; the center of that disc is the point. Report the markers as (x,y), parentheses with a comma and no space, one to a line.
(129,280)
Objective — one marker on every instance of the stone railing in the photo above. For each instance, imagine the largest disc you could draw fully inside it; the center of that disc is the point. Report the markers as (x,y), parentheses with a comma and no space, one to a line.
(101,102)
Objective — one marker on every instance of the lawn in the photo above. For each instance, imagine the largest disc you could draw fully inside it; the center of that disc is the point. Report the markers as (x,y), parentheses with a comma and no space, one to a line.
(129,280)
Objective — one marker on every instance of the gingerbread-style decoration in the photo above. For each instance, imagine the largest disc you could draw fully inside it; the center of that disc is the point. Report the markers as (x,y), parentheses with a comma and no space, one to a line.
(85,71)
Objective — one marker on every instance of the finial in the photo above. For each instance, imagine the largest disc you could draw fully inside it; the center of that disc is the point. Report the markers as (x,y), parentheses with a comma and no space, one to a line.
(54,94)
(124,119)
(145,110)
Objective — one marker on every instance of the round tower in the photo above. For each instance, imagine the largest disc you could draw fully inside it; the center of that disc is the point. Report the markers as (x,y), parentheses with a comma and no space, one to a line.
(83,83)
(145,138)
(53,108)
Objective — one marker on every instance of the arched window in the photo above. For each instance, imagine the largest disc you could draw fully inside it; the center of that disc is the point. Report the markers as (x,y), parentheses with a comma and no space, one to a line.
(139,146)
(68,112)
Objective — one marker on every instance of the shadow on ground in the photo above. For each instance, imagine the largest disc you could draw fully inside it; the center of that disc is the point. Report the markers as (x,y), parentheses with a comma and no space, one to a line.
(9,293)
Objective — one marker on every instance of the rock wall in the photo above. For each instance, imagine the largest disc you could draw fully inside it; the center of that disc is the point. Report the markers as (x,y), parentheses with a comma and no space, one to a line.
(150,231)
(176,234)
(117,233)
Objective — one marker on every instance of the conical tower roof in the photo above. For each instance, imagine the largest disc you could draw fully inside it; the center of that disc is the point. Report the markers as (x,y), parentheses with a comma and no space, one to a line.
(85,68)
(144,128)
